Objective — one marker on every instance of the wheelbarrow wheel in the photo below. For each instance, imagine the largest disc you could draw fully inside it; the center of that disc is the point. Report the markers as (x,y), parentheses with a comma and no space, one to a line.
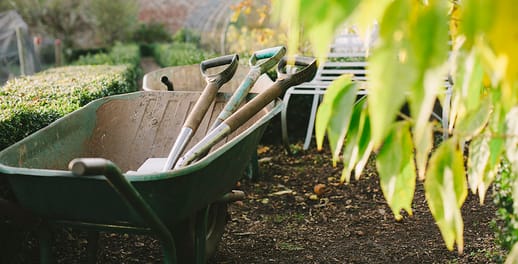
(184,234)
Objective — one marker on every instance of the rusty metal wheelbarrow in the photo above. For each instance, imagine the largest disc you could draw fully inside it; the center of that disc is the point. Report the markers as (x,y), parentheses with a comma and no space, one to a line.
(185,207)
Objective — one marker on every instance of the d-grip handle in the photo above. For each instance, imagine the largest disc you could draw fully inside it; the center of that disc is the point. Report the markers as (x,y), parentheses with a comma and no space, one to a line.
(283,82)
(223,76)
(214,82)
(305,74)
(252,107)
(273,55)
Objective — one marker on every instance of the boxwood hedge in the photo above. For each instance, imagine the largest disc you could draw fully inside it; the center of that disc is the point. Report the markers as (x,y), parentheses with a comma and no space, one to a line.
(118,54)
(178,53)
(32,102)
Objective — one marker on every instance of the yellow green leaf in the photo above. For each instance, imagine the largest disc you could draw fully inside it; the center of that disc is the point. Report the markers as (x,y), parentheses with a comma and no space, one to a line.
(428,58)
(423,145)
(388,86)
(503,35)
(512,258)
(358,145)
(367,12)
(322,18)
(474,121)
(511,140)
(497,144)
(334,114)
(446,190)
(478,160)
(395,164)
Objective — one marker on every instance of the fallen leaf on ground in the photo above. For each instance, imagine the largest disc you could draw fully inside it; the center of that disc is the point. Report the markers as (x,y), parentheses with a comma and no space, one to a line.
(319,189)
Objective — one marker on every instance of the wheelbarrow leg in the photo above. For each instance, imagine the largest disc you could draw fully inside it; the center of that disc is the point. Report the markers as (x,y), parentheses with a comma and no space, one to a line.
(252,169)
(200,235)
(93,244)
(45,240)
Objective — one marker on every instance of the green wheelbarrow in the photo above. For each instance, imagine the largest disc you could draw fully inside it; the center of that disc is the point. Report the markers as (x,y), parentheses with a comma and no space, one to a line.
(126,130)
(185,207)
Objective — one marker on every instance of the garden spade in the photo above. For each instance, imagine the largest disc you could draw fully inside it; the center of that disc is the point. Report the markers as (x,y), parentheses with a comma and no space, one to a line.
(214,82)
(260,62)
(283,82)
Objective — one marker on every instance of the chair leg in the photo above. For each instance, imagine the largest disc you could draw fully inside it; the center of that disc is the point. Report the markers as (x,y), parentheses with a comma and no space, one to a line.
(284,121)
(311,123)
(446,114)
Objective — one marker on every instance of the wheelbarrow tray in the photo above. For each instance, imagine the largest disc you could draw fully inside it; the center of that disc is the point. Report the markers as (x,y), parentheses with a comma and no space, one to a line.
(127,129)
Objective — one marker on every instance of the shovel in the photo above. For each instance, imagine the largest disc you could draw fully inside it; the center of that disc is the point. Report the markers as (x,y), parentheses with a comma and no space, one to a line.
(214,82)
(270,57)
(283,82)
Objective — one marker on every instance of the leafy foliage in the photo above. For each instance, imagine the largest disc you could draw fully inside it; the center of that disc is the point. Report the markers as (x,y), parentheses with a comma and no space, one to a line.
(410,63)
(32,102)
(187,36)
(102,22)
(113,20)
(506,227)
(119,54)
(151,32)
(175,54)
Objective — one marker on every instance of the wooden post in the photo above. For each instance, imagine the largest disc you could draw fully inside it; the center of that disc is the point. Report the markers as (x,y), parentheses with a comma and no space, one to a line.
(37,47)
(57,52)
(21,50)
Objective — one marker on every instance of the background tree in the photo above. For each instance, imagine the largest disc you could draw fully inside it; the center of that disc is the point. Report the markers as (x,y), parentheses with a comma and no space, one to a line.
(78,22)
(113,20)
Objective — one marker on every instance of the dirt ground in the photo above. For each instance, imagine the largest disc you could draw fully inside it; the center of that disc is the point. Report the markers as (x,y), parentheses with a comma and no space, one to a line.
(280,223)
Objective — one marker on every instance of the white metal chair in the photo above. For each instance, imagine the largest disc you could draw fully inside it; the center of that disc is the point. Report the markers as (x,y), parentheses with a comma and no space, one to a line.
(327,72)
(347,56)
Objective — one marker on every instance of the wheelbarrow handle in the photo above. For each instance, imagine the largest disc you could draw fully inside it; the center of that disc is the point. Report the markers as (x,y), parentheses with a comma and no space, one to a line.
(272,56)
(283,82)
(224,75)
(130,195)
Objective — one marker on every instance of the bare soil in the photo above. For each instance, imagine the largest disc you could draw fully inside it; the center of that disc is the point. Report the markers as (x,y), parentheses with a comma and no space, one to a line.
(280,222)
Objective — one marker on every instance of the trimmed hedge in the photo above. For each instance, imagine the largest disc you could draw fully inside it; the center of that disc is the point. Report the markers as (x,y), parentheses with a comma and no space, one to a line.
(176,54)
(117,55)
(32,102)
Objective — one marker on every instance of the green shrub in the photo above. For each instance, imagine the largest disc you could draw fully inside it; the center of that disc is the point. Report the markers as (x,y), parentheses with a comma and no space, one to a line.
(506,223)
(176,54)
(75,54)
(151,33)
(32,102)
(187,36)
(118,54)
(113,20)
